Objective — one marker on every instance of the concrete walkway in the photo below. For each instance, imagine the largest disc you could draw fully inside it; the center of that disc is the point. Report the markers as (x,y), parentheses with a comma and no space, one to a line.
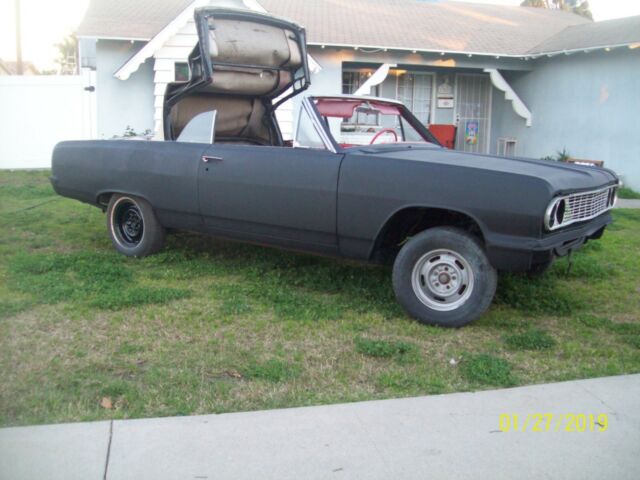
(438,437)
(625,203)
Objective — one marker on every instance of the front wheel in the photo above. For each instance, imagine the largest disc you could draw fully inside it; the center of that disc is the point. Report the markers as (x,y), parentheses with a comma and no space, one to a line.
(133,226)
(443,277)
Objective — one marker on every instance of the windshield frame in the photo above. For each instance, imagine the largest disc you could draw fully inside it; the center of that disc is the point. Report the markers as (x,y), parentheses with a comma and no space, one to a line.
(405,115)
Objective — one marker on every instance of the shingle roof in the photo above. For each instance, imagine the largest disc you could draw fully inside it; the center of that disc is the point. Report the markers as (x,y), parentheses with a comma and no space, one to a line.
(622,31)
(11,67)
(4,68)
(425,25)
(438,25)
(129,19)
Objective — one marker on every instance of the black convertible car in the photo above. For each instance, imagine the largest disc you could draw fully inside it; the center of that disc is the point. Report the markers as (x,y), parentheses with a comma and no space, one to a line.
(448,221)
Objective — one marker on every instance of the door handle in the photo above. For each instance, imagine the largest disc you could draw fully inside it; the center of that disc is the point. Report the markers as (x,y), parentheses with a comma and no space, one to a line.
(209,158)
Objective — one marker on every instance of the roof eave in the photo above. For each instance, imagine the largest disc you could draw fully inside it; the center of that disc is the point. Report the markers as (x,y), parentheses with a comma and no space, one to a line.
(584,49)
(417,50)
(525,55)
(113,37)
(133,63)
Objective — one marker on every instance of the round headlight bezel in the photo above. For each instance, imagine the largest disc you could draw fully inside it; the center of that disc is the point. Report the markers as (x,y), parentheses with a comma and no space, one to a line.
(555,213)
(550,214)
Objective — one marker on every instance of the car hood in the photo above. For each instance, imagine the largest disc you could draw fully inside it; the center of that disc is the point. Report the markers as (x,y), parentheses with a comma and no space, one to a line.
(561,177)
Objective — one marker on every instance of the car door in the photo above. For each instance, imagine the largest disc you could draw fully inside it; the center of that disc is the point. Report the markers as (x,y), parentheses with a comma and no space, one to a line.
(278,195)
(273,194)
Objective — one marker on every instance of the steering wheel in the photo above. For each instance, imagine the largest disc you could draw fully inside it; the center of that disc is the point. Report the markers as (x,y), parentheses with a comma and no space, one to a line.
(383,131)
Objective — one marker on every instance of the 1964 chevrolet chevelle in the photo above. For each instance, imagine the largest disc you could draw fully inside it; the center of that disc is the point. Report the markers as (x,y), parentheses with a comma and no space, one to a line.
(362,179)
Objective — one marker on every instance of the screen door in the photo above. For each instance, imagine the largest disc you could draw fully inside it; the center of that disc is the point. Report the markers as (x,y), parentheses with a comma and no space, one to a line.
(473,112)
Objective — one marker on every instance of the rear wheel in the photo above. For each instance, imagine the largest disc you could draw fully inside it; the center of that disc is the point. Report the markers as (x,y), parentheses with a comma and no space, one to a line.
(133,226)
(443,277)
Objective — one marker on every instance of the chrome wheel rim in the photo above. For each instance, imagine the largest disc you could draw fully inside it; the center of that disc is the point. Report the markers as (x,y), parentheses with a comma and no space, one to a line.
(442,280)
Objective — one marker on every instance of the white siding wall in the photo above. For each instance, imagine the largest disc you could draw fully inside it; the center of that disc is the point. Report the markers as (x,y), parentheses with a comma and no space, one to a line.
(175,50)
(122,103)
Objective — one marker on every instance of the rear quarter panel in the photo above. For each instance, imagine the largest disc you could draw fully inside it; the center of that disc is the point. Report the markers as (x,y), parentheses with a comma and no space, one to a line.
(164,173)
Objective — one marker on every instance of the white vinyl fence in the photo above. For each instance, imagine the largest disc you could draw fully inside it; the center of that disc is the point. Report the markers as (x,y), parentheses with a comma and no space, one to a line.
(36,112)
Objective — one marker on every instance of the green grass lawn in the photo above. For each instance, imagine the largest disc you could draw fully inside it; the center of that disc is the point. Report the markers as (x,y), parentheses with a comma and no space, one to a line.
(210,326)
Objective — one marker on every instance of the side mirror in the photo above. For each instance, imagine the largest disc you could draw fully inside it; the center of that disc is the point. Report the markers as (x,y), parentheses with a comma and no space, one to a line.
(200,129)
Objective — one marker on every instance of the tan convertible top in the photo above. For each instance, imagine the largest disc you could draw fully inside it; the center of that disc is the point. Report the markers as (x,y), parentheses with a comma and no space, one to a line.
(236,118)
(243,60)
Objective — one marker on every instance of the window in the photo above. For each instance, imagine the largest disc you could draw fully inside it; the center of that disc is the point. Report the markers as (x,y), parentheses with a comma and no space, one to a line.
(415,90)
(181,71)
(306,134)
(351,81)
(396,123)
(200,129)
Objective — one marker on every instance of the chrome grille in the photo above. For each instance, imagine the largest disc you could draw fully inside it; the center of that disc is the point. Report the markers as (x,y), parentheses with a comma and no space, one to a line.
(578,207)
(586,205)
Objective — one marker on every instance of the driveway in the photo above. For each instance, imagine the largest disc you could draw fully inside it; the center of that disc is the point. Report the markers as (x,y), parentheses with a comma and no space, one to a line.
(626,203)
(445,436)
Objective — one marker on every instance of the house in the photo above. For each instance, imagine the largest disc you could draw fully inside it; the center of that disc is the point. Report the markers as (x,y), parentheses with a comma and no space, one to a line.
(490,79)
(4,69)
(11,68)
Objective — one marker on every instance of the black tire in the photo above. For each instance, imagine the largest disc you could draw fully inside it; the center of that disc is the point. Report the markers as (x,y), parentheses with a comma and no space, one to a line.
(468,272)
(133,226)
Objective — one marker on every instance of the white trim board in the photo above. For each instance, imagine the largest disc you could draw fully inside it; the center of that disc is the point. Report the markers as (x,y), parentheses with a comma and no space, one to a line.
(157,42)
(518,105)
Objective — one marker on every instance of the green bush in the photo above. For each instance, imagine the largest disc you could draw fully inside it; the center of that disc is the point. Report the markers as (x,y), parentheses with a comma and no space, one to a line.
(628,193)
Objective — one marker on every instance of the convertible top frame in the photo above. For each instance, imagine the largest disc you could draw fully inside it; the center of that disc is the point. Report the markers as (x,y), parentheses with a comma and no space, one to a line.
(202,66)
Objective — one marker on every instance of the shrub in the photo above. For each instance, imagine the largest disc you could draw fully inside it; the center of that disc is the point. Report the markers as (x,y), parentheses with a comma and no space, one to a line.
(626,192)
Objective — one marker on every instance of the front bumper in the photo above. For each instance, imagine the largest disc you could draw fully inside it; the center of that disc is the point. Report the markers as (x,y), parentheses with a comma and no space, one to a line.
(518,254)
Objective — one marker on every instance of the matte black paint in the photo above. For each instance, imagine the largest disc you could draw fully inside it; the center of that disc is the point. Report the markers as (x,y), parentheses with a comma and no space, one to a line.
(332,203)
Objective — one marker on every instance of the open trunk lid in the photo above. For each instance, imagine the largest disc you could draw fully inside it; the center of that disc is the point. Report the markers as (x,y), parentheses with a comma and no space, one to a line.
(243,59)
